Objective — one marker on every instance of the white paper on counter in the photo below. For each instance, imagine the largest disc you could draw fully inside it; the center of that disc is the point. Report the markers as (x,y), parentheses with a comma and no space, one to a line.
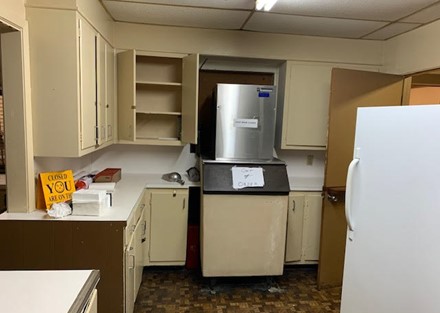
(243,177)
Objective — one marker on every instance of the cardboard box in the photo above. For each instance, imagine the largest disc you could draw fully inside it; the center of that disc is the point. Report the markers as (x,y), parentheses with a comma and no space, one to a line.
(108,175)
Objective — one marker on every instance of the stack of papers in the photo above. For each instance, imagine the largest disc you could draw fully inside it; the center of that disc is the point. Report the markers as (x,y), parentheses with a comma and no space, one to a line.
(109,189)
(88,202)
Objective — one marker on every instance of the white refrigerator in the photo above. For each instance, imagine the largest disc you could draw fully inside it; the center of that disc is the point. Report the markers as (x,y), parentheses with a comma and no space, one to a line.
(392,260)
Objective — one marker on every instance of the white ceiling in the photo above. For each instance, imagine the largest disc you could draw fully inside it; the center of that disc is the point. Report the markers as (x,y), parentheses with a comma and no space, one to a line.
(360,19)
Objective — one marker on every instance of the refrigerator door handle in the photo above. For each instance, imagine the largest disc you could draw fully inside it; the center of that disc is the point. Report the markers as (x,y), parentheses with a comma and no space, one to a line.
(351,168)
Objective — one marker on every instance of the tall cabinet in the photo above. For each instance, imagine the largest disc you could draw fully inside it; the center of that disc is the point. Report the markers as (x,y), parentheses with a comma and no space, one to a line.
(157,98)
(72,77)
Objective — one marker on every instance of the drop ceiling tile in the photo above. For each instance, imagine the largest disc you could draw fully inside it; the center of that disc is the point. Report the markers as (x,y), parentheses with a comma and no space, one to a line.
(425,16)
(375,10)
(311,26)
(176,16)
(220,4)
(391,31)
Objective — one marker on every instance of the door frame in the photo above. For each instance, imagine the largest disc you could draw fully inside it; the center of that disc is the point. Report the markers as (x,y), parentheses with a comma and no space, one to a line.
(18,121)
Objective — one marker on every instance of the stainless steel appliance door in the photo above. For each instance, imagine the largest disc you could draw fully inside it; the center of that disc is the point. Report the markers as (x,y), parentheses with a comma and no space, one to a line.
(245,127)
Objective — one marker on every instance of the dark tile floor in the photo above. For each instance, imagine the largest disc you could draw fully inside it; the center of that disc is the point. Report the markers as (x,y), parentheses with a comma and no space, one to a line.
(166,290)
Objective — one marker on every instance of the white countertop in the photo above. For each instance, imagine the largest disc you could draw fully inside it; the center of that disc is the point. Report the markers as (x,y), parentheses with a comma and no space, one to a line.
(40,291)
(125,196)
(298,183)
(130,187)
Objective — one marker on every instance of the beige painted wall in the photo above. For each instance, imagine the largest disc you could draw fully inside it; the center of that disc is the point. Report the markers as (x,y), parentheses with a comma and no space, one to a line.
(92,10)
(414,51)
(246,44)
(12,12)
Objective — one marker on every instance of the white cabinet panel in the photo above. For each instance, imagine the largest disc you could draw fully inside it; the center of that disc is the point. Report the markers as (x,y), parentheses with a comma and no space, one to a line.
(68,65)
(303,227)
(169,224)
(312,227)
(295,228)
(87,61)
(303,104)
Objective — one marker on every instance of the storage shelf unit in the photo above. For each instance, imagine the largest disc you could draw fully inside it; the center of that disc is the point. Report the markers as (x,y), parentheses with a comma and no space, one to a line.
(157,98)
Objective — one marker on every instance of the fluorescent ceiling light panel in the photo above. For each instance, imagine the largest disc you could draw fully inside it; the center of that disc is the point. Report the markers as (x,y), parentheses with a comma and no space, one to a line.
(264,4)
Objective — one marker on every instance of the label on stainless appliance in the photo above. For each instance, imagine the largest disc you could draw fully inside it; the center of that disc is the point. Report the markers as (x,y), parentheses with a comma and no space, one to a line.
(264,92)
(246,123)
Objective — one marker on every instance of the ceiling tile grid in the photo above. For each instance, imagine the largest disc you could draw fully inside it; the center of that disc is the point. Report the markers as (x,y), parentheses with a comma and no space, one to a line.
(360,19)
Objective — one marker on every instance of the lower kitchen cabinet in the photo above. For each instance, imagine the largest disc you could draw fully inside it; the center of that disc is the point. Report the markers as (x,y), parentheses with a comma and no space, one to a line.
(112,247)
(92,304)
(303,227)
(167,220)
(135,237)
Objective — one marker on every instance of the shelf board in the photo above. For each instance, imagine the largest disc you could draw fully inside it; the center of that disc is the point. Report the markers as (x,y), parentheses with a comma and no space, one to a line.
(154,83)
(155,142)
(158,141)
(159,113)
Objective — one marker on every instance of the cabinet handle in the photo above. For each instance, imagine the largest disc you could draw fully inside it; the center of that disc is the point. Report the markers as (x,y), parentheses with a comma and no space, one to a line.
(133,261)
(142,206)
(293,205)
(184,204)
(144,229)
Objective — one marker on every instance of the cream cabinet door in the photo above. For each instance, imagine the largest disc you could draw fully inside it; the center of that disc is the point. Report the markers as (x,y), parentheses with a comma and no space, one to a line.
(294,237)
(138,237)
(303,227)
(92,306)
(303,100)
(312,226)
(129,277)
(87,60)
(106,90)
(110,85)
(169,222)
(101,77)
(190,94)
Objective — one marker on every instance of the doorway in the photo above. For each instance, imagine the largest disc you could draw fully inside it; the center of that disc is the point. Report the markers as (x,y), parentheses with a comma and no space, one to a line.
(11,109)
(3,201)
(425,88)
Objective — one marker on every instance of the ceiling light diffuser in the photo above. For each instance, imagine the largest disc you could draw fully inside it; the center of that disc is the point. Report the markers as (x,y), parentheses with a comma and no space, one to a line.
(265,5)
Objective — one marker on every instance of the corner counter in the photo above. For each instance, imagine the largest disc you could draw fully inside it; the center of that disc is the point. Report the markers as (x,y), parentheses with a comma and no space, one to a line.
(36,241)
(46,291)
(125,196)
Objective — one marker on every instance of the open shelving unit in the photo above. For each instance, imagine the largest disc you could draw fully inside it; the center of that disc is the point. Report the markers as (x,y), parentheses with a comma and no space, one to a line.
(157,96)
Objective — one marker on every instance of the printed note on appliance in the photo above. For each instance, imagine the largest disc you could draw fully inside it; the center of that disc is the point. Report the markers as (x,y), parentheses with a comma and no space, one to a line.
(243,177)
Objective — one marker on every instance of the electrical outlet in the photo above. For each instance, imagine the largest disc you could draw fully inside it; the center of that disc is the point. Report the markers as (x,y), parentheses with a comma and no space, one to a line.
(310,159)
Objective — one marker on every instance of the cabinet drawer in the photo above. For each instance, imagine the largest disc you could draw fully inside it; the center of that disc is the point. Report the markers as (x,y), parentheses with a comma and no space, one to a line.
(137,213)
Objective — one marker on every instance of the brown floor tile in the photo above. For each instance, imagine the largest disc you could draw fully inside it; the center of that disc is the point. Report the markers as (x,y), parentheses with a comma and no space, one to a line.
(169,290)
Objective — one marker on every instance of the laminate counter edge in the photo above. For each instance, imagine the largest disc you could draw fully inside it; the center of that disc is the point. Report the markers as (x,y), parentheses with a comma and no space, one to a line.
(83,297)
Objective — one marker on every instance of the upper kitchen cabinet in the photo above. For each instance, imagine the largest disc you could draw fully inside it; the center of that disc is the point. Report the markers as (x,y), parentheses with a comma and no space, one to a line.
(303,96)
(72,77)
(157,98)
(303,104)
